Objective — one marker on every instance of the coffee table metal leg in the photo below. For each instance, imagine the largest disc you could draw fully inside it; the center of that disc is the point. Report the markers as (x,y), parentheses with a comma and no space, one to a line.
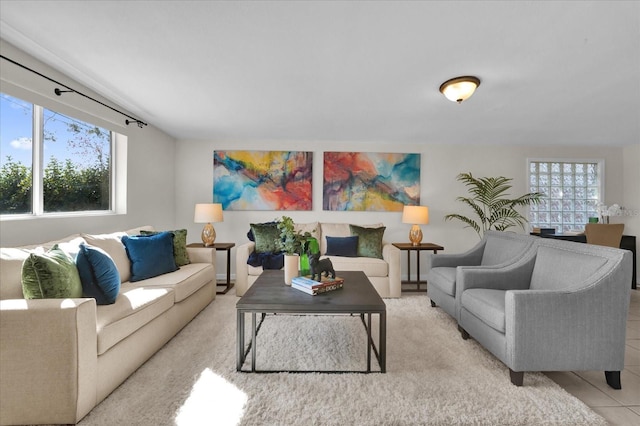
(253,341)
(369,342)
(383,342)
(240,340)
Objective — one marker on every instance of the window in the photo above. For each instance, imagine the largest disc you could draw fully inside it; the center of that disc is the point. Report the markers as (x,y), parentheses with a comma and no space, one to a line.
(52,162)
(573,191)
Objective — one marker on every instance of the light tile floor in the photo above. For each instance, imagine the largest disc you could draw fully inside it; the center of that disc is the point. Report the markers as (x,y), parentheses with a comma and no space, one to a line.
(619,407)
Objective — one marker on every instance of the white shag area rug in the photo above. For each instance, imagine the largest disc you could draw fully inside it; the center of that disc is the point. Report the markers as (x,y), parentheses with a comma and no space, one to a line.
(433,377)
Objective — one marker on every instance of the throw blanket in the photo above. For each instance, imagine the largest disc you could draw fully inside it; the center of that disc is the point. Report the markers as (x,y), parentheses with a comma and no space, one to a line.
(266,260)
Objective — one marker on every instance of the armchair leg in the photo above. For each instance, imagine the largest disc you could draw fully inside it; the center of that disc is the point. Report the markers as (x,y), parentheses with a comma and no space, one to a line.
(433,304)
(463,333)
(613,379)
(517,377)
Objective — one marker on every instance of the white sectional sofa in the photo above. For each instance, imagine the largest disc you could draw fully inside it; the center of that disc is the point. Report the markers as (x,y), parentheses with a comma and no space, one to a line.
(384,273)
(60,357)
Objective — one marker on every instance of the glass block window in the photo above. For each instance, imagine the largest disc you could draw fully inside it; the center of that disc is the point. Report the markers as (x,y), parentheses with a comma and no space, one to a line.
(573,190)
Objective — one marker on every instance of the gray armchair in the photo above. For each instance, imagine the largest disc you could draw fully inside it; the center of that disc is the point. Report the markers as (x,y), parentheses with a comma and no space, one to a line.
(496,249)
(562,307)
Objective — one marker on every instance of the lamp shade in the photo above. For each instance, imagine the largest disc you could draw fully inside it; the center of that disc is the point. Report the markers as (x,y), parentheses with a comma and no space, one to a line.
(460,88)
(207,213)
(417,215)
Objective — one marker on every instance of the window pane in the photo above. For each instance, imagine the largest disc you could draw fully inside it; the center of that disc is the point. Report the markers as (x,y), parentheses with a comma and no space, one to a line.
(16,135)
(573,194)
(76,164)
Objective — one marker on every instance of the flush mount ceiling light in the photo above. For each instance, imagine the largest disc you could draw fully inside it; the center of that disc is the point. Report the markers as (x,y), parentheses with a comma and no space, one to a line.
(460,88)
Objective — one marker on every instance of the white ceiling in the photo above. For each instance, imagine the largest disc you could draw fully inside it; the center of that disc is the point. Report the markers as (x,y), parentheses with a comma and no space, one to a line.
(563,72)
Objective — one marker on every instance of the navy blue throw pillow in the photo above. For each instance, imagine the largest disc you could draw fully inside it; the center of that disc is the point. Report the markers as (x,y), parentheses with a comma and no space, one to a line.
(342,246)
(150,255)
(98,274)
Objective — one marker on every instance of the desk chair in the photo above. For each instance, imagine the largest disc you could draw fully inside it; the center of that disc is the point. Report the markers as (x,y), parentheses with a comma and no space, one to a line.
(604,234)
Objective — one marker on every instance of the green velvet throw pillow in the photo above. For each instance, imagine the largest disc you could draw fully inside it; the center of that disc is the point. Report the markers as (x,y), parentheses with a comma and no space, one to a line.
(180,254)
(50,275)
(369,240)
(266,236)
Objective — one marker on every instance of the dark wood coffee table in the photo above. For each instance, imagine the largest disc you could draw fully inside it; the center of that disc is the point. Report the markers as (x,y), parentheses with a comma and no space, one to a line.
(269,294)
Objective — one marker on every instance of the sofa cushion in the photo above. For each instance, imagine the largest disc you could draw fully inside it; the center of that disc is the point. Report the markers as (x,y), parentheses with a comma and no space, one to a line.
(500,250)
(487,305)
(371,267)
(266,236)
(369,240)
(332,230)
(444,278)
(98,273)
(312,228)
(150,255)
(342,246)
(185,281)
(112,244)
(135,306)
(180,254)
(11,260)
(50,275)
(557,269)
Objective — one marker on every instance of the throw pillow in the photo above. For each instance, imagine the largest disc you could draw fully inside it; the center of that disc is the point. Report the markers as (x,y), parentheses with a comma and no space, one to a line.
(150,255)
(112,244)
(180,254)
(50,275)
(266,235)
(98,273)
(342,246)
(369,240)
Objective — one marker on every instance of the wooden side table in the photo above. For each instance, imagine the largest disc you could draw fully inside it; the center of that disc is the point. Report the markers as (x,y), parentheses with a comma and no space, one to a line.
(221,247)
(409,248)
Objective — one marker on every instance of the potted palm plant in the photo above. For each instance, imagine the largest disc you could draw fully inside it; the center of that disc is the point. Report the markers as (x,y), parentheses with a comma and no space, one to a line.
(491,204)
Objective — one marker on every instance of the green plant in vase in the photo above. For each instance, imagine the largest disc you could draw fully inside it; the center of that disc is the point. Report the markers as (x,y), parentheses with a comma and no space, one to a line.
(292,244)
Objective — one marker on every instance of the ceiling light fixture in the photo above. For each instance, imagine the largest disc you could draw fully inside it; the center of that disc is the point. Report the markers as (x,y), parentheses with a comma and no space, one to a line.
(460,88)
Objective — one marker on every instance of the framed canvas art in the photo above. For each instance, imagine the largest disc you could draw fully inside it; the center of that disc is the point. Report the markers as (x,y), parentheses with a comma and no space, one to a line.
(370,181)
(263,180)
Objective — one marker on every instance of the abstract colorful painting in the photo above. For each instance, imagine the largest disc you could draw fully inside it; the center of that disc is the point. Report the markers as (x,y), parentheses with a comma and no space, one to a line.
(370,181)
(263,180)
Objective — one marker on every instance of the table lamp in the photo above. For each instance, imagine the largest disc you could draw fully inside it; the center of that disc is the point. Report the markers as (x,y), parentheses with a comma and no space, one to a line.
(415,215)
(207,213)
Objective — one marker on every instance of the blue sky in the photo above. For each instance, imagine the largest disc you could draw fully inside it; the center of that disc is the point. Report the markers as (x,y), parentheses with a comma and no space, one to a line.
(16,133)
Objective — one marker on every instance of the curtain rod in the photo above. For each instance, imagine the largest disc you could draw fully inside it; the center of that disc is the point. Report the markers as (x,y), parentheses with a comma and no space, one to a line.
(59,92)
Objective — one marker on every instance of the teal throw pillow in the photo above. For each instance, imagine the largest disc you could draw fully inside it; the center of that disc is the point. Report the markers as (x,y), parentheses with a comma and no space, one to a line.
(266,236)
(150,255)
(180,254)
(50,275)
(98,273)
(369,240)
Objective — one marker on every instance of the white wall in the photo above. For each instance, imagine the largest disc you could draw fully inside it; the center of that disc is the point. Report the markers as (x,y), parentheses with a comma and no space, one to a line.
(151,178)
(439,187)
(631,193)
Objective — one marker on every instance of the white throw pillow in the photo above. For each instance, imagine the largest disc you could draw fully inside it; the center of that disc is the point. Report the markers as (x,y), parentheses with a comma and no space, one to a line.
(112,244)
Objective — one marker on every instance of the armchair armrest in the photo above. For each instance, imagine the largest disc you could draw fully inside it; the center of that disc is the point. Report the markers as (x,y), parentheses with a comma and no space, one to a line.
(242,272)
(202,255)
(560,330)
(391,255)
(471,257)
(516,276)
(48,360)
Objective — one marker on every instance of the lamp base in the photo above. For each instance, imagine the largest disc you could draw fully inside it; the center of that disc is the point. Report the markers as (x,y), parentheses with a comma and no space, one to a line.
(415,235)
(208,235)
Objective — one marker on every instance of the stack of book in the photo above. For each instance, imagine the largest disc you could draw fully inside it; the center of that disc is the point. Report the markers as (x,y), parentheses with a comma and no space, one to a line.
(313,287)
